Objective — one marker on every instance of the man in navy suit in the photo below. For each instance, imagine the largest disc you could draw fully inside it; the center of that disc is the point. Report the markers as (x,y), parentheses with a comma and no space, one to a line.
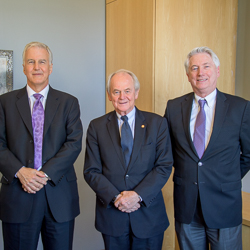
(207,176)
(130,210)
(42,197)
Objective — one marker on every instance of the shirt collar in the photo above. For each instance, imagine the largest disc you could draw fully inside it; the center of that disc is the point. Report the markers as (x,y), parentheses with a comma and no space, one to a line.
(130,115)
(31,92)
(209,98)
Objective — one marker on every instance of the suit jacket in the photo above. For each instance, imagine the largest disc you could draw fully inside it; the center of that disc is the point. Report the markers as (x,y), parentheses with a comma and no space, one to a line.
(149,169)
(216,178)
(61,146)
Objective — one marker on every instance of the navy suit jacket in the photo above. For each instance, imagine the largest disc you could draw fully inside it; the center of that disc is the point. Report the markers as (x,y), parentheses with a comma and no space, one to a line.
(216,177)
(149,169)
(61,146)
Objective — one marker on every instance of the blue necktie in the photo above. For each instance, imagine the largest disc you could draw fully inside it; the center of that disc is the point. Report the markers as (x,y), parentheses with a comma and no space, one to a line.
(199,131)
(126,139)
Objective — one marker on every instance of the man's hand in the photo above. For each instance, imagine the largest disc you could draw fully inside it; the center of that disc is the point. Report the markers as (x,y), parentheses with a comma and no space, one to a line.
(31,179)
(128,201)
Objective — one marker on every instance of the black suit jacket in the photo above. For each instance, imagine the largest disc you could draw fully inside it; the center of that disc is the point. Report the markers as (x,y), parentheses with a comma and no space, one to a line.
(148,171)
(216,178)
(61,146)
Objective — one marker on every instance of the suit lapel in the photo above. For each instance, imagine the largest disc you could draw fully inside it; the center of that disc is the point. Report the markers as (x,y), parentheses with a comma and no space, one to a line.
(52,103)
(219,116)
(113,130)
(186,107)
(23,107)
(140,130)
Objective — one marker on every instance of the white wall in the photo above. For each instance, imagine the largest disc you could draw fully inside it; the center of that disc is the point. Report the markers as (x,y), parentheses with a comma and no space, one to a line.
(75,32)
(242,83)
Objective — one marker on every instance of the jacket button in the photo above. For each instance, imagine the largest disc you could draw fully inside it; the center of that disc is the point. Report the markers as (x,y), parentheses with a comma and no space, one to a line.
(195,183)
(127,176)
(30,161)
(31,141)
(200,164)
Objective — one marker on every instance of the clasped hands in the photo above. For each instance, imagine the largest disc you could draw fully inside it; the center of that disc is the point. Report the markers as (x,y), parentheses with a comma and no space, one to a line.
(127,201)
(31,179)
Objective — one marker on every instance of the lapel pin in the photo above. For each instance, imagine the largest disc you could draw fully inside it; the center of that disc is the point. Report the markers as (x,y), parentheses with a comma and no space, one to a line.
(143,126)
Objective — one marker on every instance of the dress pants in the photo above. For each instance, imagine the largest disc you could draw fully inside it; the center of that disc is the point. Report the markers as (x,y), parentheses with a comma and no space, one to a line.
(25,236)
(197,236)
(128,241)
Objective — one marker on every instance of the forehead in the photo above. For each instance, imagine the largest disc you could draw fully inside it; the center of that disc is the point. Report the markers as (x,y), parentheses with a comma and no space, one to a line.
(199,59)
(121,80)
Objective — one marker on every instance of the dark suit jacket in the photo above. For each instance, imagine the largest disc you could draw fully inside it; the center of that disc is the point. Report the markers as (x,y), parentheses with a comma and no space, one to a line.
(148,171)
(216,178)
(61,146)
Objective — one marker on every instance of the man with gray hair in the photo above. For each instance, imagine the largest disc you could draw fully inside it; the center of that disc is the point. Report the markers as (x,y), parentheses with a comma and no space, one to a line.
(40,139)
(128,161)
(210,134)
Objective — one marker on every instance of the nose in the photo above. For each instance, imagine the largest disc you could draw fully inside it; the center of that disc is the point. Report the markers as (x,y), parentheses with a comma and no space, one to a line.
(200,71)
(122,95)
(36,65)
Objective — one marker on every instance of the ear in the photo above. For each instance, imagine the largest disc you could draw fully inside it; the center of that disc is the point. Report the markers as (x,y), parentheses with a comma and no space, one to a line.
(137,93)
(218,71)
(109,96)
(24,70)
(50,68)
(188,77)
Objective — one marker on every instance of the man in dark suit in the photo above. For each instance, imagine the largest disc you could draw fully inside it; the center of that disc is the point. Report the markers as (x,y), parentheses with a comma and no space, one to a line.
(38,194)
(211,150)
(130,210)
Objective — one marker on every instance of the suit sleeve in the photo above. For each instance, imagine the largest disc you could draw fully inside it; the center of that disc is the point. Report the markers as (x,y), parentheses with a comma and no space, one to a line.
(245,142)
(9,164)
(103,188)
(57,166)
(154,181)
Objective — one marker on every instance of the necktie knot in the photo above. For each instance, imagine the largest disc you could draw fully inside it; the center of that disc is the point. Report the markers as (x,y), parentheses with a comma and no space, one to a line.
(38,96)
(124,118)
(202,103)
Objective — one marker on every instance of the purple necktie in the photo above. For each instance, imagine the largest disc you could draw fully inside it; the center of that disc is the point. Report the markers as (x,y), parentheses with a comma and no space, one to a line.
(199,131)
(127,140)
(37,124)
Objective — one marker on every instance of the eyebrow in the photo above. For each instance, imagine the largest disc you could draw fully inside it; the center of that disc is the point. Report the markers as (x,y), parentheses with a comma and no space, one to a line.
(206,63)
(38,60)
(120,90)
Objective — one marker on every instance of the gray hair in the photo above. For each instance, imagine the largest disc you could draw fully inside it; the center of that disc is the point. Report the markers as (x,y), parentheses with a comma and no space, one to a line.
(201,50)
(39,45)
(135,79)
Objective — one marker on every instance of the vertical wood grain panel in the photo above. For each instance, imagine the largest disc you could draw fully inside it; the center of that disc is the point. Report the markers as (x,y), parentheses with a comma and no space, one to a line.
(129,44)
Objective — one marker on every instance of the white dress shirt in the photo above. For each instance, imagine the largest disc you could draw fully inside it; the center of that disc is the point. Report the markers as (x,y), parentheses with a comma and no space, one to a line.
(32,99)
(131,121)
(209,108)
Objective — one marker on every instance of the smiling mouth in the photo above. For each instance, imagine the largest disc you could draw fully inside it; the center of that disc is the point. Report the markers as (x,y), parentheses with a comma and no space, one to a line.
(201,80)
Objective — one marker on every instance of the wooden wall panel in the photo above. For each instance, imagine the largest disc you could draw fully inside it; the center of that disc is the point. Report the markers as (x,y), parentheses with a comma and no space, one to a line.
(183,25)
(129,44)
